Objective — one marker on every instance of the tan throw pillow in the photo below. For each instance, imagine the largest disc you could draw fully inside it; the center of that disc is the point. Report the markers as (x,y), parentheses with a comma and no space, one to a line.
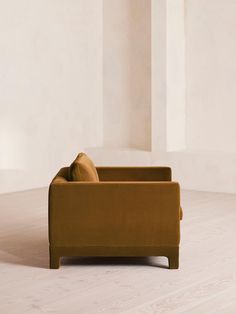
(83,169)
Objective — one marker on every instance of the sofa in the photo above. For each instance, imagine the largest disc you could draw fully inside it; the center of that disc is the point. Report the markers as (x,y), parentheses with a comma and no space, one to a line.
(130,211)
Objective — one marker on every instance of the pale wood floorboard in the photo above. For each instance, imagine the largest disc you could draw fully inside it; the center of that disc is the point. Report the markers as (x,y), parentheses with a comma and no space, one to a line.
(205,282)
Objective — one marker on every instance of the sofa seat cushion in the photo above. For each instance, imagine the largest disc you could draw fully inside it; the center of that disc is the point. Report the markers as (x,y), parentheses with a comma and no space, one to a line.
(83,169)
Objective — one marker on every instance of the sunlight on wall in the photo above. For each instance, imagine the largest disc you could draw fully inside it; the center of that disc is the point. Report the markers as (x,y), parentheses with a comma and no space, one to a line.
(12,146)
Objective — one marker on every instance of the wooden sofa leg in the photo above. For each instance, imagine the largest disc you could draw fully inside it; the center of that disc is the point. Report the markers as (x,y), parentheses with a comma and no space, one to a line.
(173,259)
(54,260)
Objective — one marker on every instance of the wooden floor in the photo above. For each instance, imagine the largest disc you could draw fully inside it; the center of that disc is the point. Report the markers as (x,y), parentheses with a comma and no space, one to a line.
(205,282)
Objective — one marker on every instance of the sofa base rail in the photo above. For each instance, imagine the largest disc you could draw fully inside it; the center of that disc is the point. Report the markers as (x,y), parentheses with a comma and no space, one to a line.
(172,253)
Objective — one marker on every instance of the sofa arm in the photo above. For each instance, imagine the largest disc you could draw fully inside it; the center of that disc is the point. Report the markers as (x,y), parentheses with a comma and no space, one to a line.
(134,173)
(114,214)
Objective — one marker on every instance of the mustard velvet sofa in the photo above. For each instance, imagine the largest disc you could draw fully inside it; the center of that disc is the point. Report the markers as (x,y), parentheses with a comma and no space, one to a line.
(132,211)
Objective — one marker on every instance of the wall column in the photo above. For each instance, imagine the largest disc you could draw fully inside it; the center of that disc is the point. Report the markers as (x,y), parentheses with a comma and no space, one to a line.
(168,75)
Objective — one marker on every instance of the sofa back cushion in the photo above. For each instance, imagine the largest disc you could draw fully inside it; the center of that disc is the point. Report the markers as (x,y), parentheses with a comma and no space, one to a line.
(83,169)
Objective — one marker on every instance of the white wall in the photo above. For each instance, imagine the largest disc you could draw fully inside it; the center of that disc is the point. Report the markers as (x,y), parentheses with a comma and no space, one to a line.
(127,73)
(211,75)
(168,76)
(52,58)
(175,76)
(204,30)
(50,87)
(208,162)
(159,75)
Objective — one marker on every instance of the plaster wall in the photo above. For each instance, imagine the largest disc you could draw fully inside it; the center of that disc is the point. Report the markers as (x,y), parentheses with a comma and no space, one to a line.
(127,73)
(211,75)
(50,87)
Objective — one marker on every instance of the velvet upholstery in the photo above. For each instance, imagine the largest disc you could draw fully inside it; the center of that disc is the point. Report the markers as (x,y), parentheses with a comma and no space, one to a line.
(83,169)
(132,211)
